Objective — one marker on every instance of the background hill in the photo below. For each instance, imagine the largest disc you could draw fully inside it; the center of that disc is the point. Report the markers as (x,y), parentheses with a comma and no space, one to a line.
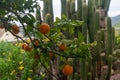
(115,19)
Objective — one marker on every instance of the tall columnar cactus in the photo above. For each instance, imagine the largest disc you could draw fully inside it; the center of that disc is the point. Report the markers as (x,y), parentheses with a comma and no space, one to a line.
(72,10)
(109,36)
(83,69)
(89,76)
(79,9)
(113,35)
(48,8)
(97,21)
(98,57)
(97,3)
(51,9)
(68,8)
(106,6)
(91,15)
(48,19)
(63,7)
(84,18)
(109,67)
(91,19)
(45,8)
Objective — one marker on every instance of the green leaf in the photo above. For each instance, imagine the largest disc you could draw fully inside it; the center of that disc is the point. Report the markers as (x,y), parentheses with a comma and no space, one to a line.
(80,37)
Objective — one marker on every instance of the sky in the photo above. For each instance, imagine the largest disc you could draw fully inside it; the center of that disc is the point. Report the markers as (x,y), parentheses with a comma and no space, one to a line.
(114,8)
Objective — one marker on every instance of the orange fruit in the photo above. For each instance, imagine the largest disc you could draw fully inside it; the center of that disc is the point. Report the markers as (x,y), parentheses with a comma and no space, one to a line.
(44,28)
(15,29)
(62,47)
(26,47)
(67,69)
(36,42)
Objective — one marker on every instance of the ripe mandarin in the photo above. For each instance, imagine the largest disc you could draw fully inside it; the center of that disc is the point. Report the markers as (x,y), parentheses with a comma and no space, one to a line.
(44,28)
(67,69)
(26,47)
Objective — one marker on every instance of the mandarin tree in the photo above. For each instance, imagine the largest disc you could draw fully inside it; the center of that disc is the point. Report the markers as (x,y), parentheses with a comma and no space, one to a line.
(49,47)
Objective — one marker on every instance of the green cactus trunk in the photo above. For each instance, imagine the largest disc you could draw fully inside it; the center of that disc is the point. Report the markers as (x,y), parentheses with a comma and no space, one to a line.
(89,76)
(68,9)
(106,6)
(109,36)
(97,21)
(109,67)
(98,57)
(113,35)
(84,17)
(64,7)
(91,20)
(72,10)
(83,69)
(51,10)
(45,8)
(48,19)
(97,4)
(79,9)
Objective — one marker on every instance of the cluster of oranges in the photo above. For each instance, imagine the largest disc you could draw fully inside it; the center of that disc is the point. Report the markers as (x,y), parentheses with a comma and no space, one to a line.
(45,29)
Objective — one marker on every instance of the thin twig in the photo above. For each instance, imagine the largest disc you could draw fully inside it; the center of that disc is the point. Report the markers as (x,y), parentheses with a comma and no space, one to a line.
(48,70)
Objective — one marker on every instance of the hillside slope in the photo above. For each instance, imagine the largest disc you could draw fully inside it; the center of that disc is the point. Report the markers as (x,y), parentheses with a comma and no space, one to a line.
(115,19)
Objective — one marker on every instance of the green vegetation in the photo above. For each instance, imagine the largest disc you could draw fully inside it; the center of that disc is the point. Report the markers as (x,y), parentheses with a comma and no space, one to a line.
(76,40)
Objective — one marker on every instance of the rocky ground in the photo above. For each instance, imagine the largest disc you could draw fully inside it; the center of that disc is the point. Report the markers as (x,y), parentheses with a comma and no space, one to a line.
(115,77)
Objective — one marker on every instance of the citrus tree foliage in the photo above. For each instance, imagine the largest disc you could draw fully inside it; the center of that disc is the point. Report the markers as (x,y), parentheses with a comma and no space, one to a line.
(48,50)
(17,10)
